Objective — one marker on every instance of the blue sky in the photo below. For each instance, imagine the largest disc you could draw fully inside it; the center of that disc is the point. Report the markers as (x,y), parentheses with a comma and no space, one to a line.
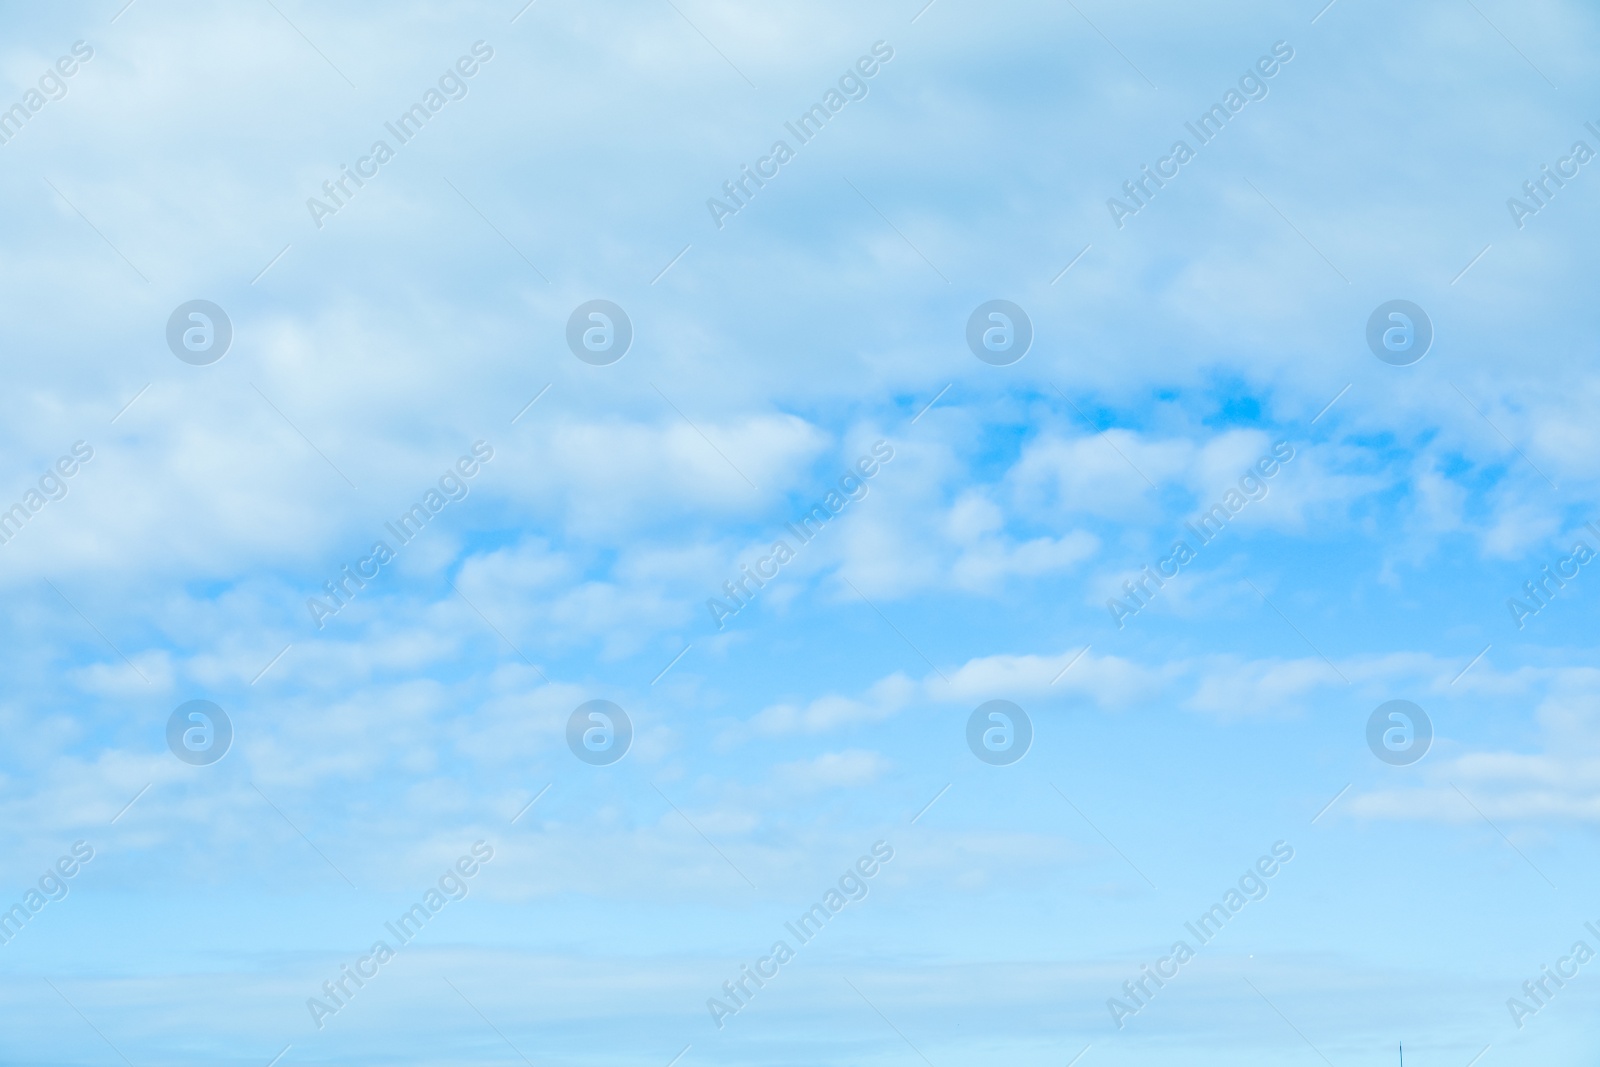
(769,354)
